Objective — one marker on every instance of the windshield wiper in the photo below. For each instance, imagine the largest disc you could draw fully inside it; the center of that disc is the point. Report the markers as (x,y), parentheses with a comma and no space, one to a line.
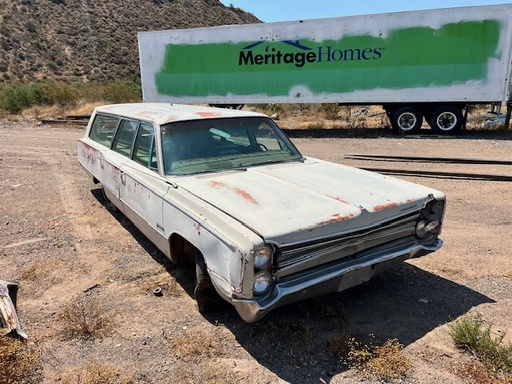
(269,162)
(240,168)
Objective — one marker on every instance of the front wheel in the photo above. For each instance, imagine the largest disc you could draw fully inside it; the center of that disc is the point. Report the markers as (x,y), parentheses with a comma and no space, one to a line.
(206,297)
(406,120)
(446,120)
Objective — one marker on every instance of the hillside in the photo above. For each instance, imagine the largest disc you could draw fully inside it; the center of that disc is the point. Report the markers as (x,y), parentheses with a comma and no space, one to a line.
(83,40)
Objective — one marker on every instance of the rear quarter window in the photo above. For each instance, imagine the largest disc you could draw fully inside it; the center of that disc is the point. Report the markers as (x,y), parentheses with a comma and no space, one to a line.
(103,129)
(124,137)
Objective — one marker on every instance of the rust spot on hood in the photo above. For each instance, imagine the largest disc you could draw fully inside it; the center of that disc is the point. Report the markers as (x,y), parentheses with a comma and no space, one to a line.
(246,196)
(387,205)
(240,192)
(335,218)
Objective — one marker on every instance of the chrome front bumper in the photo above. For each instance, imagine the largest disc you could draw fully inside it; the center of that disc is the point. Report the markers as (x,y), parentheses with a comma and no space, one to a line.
(332,277)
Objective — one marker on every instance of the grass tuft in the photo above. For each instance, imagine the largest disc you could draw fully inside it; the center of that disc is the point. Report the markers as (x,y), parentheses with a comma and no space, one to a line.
(196,343)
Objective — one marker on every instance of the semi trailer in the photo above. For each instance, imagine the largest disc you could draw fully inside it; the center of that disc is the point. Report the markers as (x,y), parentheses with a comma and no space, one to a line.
(426,65)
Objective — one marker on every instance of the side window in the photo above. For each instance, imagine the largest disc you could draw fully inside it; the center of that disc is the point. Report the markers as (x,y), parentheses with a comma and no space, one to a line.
(124,137)
(103,128)
(144,151)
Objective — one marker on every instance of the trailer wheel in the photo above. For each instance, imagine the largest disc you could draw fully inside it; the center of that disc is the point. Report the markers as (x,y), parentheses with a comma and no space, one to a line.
(407,120)
(446,120)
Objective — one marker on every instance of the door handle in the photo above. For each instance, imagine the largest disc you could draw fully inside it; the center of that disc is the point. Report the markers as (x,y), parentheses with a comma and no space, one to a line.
(122,176)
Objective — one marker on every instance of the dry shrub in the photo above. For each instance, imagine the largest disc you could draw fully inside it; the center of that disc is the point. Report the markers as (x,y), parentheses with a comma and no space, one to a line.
(195,343)
(388,361)
(19,361)
(96,373)
(79,108)
(87,317)
(384,363)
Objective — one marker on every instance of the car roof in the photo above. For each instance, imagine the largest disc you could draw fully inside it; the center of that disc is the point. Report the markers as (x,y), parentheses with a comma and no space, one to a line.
(161,113)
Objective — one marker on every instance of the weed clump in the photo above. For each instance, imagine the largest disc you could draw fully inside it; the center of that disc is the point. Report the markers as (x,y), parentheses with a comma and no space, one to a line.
(472,335)
(384,362)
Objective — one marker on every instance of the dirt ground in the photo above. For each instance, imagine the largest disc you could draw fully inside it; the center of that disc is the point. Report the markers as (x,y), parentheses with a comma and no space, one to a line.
(61,242)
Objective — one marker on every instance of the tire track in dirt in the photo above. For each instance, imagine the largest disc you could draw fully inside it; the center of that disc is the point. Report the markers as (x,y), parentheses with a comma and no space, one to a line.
(56,155)
(73,206)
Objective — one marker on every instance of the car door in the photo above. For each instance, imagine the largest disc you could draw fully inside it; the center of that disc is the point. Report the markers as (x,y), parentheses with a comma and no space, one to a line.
(112,160)
(141,187)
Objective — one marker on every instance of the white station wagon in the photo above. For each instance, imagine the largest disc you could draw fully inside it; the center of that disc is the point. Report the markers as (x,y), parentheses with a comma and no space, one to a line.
(265,225)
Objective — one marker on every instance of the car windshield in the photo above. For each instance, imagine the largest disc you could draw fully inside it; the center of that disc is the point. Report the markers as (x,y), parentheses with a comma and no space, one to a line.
(211,145)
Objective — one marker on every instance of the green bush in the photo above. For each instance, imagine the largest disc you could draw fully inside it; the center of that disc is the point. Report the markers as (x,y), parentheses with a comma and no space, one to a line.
(472,335)
(17,97)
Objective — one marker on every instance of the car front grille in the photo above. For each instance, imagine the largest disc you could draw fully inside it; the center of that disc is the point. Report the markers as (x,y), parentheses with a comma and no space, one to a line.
(298,257)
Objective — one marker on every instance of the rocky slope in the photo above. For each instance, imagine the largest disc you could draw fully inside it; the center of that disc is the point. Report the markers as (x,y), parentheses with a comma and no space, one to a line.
(84,40)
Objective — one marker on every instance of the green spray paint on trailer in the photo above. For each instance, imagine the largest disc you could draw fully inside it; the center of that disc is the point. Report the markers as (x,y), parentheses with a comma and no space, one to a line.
(407,58)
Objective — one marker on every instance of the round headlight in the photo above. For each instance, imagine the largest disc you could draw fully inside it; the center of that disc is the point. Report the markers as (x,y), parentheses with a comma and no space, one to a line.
(426,228)
(261,282)
(262,257)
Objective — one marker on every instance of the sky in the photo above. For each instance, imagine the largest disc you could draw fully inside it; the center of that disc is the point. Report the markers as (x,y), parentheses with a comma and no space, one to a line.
(284,10)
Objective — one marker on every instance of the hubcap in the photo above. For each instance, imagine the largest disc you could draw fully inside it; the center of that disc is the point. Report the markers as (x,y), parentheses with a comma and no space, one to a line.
(406,121)
(446,121)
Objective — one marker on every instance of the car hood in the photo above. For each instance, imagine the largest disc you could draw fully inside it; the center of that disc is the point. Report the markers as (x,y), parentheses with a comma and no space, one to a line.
(288,203)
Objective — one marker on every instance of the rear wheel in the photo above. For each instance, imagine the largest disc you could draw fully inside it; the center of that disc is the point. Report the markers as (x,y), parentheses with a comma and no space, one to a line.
(446,120)
(406,120)
(109,204)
